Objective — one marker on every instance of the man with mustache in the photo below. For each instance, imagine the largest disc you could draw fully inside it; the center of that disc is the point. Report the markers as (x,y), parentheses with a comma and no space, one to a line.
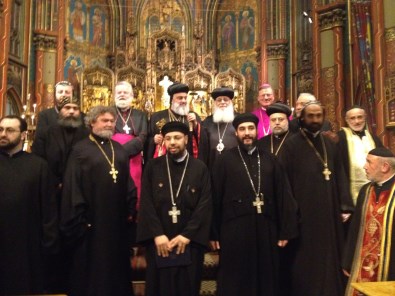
(254,215)
(178,111)
(98,208)
(130,130)
(174,217)
(220,131)
(28,213)
(355,141)
(319,185)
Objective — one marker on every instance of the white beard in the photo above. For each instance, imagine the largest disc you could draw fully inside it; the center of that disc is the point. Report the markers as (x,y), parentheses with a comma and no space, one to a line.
(180,110)
(223,115)
(123,104)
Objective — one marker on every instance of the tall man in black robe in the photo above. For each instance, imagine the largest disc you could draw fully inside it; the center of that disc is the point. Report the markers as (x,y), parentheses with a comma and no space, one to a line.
(48,117)
(355,141)
(319,185)
(178,111)
(369,254)
(219,128)
(28,215)
(279,114)
(174,217)
(130,130)
(98,206)
(254,215)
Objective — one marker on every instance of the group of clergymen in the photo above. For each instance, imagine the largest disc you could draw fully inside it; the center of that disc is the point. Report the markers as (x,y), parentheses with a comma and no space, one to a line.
(291,207)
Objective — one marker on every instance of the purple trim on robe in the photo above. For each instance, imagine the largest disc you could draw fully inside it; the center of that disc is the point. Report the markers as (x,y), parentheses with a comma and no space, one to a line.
(135,163)
(264,122)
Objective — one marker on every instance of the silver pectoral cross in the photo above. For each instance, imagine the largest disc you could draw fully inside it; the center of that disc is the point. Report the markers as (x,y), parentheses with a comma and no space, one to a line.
(326,172)
(126,128)
(114,173)
(258,203)
(174,213)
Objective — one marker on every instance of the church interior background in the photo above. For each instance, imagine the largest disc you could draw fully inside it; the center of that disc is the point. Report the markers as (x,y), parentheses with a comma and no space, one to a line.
(341,51)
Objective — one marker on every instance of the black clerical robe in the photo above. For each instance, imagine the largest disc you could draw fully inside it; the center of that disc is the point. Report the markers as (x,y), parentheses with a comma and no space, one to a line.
(28,223)
(367,233)
(315,254)
(197,139)
(274,143)
(248,240)
(46,118)
(95,216)
(195,206)
(215,132)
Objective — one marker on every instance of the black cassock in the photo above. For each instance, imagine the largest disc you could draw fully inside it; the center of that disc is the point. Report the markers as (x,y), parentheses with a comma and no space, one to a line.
(214,132)
(273,144)
(315,255)
(195,205)
(28,223)
(94,219)
(249,260)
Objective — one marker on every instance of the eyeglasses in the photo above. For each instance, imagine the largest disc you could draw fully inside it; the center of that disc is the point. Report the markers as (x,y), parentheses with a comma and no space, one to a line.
(8,130)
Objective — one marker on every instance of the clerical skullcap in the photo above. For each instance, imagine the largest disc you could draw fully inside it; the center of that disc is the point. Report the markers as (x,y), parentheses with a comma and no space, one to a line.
(67,100)
(175,126)
(177,88)
(382,152)
(278,108)
(245,117)
(223,92)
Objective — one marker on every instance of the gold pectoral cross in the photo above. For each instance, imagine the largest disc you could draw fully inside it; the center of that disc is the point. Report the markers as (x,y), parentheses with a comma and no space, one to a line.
(114,173)
(173,213)
(258,203)
(326,172)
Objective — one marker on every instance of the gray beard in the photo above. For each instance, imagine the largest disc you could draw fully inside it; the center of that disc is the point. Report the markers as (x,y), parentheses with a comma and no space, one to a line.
(105,134)
(70,122)
(180,110)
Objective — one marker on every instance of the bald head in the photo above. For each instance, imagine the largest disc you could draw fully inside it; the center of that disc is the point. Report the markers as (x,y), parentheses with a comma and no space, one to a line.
(302,100)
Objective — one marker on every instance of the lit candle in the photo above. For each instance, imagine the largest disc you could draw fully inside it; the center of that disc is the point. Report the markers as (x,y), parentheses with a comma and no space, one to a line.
(32,119)
(24,108)
(23,116)
(34,107)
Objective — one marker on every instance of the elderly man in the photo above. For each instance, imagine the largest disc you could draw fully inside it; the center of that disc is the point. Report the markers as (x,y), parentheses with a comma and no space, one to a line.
(254,215)
(220,131)
(130,130)
(369,254)
(98,207)
(354,143)
(279,123)
(265,99)
(303,99)
(49,117)
(28,213)
(178,111)
(174,217)
(319,185)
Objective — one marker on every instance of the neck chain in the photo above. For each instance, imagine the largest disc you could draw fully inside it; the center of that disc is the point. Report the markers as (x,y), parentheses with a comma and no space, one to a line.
(265,131)
(326,172)
(221,146)
(279,147)
(113,171)
(258,203)
(126,128)
(174,212)
(173,117)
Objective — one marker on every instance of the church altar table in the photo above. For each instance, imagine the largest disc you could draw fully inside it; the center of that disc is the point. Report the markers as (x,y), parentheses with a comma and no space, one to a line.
(375,288)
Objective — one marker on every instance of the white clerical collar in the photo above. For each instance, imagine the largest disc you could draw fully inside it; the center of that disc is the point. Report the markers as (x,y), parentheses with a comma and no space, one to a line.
(382,182)
(182,158)
(251,150)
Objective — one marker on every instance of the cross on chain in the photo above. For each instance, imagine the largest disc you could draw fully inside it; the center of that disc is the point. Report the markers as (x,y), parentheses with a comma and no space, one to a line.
(174,213)
(258,203)
(126,128)
(326,173)
(114,173)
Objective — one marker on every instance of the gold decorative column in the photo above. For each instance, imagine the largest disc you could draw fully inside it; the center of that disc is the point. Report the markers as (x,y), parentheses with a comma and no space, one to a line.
(277,53)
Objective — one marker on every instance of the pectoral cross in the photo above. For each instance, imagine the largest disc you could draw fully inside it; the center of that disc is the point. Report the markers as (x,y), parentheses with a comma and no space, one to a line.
(258,203)
(174,213)
(326,173)
(126,128)
(114,173)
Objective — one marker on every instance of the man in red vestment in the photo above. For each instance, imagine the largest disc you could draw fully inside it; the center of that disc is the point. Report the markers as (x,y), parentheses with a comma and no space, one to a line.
(369,252)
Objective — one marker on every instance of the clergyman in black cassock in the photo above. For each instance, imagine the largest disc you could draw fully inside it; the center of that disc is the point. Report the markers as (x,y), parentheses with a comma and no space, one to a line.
(28,214)
(319,185)
(176,217)
(98,205)
(254,215)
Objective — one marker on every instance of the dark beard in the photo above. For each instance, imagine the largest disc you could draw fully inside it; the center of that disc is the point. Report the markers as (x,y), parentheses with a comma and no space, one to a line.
(312,127)
(247,147)
(70,122)
(10,145)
